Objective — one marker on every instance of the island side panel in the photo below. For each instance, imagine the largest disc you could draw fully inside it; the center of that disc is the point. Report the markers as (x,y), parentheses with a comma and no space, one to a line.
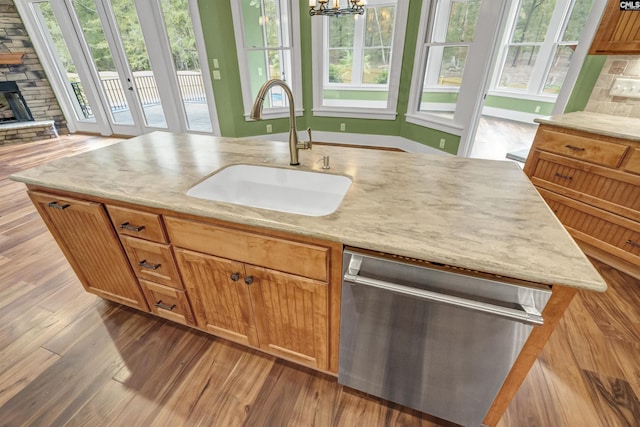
(560,299)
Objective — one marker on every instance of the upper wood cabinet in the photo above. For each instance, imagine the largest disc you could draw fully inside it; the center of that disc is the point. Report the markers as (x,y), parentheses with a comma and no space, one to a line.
(619,32)
(85,235)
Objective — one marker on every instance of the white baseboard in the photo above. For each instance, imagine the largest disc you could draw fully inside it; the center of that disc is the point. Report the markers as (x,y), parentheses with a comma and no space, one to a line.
(359,139)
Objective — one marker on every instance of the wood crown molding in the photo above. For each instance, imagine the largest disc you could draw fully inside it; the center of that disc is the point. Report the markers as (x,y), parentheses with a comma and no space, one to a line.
(10,58)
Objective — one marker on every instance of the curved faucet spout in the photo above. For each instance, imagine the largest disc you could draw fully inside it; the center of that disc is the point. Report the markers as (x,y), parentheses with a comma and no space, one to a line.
(256,114)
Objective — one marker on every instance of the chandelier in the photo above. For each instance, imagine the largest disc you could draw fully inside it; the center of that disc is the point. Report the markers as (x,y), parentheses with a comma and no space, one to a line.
(332,7)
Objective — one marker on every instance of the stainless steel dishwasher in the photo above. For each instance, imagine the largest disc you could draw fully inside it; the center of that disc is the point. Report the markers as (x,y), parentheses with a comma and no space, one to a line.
(433,340)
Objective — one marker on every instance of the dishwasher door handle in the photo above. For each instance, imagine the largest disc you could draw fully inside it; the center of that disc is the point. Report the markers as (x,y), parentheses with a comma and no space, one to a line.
(528,314)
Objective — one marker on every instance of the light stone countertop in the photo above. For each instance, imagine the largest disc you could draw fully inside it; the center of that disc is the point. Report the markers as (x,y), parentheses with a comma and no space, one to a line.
(483,215)
(600,124)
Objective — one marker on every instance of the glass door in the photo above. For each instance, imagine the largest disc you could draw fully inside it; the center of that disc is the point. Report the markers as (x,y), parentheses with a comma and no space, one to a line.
(110,55)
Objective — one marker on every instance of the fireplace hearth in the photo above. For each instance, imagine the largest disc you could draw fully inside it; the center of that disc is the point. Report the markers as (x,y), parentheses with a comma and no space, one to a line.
(13,107)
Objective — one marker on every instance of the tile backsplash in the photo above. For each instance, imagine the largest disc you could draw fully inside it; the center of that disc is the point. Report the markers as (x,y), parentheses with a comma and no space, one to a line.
(601,102)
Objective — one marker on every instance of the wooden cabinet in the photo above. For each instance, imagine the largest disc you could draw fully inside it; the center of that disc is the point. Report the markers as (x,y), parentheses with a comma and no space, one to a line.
(618,33)
(593,187)
(259,290)
(145,242)
(84,233)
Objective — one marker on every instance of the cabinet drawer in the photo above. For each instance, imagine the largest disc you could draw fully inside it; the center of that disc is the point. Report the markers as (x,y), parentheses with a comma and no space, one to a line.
(135,223)
(633,165)
(587,149)
(292,257)
(608,189)
(167,302)
(601,229)
(152,261)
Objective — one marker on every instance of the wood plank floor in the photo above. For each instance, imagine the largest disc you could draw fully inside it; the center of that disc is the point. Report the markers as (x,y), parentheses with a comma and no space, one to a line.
(68,358)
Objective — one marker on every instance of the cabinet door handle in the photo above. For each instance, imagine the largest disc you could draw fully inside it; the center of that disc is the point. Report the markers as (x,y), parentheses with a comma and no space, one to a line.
(159,304)
(567,177)
(235,277)
(632,243)
(128,226)
(574,148)
(58,206)
(148,265)
(248,280)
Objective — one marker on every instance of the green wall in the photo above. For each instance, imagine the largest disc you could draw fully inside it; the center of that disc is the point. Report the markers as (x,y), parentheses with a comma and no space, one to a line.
(586,82)
(518,104)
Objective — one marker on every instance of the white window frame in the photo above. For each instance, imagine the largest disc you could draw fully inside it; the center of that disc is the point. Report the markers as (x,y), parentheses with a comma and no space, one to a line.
(545,56)
(475,79)
(320,59)
(292,25)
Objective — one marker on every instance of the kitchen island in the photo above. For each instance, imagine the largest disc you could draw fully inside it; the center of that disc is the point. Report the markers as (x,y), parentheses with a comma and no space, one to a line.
(479,217)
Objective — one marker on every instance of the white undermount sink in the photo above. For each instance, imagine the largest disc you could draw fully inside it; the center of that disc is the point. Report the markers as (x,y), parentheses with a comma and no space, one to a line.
(277,189)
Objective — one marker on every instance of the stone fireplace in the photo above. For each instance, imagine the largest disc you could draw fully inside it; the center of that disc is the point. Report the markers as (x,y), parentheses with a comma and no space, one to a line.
(29,109)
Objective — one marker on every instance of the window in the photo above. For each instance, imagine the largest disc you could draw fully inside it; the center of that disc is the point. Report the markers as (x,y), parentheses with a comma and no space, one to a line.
(360,59)
(540,44)
(267,32)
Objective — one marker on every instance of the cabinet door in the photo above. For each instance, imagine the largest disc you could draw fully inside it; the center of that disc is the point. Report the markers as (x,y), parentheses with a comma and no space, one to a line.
(218,294)
(619,32)
(85,235)
(291,315)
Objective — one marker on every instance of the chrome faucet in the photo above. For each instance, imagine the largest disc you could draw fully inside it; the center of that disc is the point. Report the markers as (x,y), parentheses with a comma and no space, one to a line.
(256,114)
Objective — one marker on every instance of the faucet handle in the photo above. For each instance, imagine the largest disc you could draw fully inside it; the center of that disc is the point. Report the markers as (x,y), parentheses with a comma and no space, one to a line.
(308,144)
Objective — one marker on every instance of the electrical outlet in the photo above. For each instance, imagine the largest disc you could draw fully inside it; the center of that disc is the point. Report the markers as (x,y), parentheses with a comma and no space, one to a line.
(216,75)
(215,63)
(442,142)
(343,127)
(537,110)
(269,128)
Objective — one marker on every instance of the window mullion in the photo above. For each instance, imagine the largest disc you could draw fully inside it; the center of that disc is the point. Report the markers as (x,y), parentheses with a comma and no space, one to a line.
(358,52)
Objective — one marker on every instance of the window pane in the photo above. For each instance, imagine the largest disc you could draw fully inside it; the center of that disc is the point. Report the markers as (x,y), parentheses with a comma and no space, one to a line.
(376,66)
(340,65)
(187,65)
(533,21)
(518,67)
(341,31)
(558,70)
(577,21)
(463,18)
(262,25)
(49,25)
(379,27)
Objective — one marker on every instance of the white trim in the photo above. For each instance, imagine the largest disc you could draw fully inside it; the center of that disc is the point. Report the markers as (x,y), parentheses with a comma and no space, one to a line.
(435,122)
(526,96)
(278,113)
(519,116)
(360,139)
(319,59)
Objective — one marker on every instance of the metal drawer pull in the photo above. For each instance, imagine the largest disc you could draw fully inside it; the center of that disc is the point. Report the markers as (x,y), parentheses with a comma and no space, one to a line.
(632,243)
(568,178)
(57,206)
(159,304)
(145,264)
(128,226)
(235,276)
(528,314)
(574,148)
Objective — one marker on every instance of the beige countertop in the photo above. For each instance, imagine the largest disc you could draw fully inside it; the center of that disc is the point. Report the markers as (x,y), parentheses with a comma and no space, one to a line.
(600,124)
(482,215)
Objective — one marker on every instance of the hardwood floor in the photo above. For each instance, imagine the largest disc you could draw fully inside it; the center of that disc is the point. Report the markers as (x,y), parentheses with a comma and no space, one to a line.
(68,358)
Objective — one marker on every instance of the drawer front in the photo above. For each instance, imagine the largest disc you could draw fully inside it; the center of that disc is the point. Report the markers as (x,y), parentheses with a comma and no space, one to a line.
(633,165)
(619,235)
(167,302)
(129,222)
(615,187)
(152,261)
(578,147)
(278,254)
